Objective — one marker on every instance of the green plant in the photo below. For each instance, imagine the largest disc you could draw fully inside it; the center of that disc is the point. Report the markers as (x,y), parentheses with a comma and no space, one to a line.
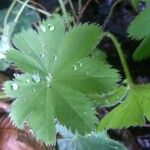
(92,141)
(139,29)
(65,77)
(56,85)
(135,3)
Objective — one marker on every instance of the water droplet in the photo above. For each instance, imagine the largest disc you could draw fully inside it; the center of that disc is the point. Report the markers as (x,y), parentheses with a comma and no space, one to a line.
(51,27)
(79,64)
(14,86)
(87,72)
(34,90)
(36,78)
(27,80)
(16,75)
(118,97)
(55,58)
(42,55)
(43,44)
(107,102)
(75,67)
(89,134)
(85,112)
(43,28)
(31,131)
(49,79)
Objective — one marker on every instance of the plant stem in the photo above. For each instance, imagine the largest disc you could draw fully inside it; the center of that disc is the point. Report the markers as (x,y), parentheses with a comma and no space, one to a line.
(110,13)
(79,6)
(21,10)
(64,12)
(38,9)
(81,12)
(73,10)
(121,56)
(9,11)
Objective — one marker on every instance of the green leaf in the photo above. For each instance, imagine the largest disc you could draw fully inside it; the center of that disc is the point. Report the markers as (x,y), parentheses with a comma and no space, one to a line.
(131,112)
(94,141)
(139,27)
(135,3)
(59,74)
(143,51)
(98,54)
(109,98)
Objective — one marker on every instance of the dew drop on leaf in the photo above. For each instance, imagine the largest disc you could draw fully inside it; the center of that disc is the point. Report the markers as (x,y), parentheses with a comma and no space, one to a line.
(118,97)
(14,86)
(55,57)
(16,75)
(51,27)
(107,102)
(27,81)
(43,28)
(87,72)
(49,79)
(34,90)
(75,67)
(80,64)
(42,55)
(36,78)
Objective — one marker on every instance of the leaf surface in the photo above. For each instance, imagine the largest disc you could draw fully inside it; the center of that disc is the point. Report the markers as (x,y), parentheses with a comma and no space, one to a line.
(58,76)
(94,141)
(130,113)
(139,27)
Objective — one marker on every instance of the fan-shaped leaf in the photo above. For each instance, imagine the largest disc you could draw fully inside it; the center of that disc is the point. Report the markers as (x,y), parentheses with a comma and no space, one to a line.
(59,75)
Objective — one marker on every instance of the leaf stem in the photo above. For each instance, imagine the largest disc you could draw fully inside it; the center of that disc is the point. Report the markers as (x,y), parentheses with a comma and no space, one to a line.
(64,12)
(21,10)
(9,11)
(38,9)
(122,58)
(111,12)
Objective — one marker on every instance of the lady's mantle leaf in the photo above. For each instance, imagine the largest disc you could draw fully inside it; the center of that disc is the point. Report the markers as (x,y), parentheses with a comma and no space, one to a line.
(143,50)
(130,113)
(94,141)
(59,75)
(139,27)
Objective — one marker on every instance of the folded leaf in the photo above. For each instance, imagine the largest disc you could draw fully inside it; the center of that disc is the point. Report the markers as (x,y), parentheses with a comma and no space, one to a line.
(131,112)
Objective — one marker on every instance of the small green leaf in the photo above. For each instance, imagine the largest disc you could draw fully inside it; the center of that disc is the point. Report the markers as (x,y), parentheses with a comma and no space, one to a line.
(131,112)
(135,3)
(143,51)
(109,98)
(139,27)
(96,141)
(59,74)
